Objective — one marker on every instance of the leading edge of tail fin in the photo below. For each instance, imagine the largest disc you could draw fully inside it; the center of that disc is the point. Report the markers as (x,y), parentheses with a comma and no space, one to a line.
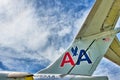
(81,58)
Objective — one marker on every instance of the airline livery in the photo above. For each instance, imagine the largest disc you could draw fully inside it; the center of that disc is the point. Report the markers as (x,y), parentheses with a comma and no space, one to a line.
(95,40)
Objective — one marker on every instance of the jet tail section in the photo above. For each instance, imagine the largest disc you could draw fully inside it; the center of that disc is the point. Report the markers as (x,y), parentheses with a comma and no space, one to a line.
(81,58)
(91,43)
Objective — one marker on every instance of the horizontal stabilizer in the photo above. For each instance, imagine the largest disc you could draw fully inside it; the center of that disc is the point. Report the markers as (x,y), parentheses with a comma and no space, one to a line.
(113,52)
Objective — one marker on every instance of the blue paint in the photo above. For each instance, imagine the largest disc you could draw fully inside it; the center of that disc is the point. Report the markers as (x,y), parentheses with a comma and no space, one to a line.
(74,51)
(81,54)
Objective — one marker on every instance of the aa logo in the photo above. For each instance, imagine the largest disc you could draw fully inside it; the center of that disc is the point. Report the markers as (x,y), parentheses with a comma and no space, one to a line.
(68,59)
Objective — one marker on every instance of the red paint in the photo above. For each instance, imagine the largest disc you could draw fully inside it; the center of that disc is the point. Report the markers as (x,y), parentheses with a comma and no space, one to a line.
(106,39)
(67,59)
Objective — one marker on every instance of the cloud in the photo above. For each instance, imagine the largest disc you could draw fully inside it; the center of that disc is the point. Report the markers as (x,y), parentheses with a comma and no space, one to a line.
(25,26)
(108,68)
(20,27)
(35,30)
(20,35)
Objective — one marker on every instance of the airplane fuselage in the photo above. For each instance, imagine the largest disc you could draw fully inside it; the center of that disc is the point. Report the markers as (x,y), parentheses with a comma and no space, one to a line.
(67,77)
(52,77)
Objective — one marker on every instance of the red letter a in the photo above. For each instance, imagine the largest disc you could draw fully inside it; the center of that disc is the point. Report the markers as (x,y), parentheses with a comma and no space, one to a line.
(67,59)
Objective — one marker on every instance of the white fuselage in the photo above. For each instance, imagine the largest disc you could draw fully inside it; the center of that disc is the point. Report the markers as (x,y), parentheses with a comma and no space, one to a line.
(52,77)
(67,77)
(7,75)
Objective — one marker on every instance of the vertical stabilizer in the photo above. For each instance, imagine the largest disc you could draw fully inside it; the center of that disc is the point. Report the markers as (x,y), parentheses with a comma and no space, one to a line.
(91,42)
(81,58)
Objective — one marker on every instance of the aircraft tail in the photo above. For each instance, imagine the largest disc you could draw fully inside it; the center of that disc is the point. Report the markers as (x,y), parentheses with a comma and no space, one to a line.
(82,57)
(91,43)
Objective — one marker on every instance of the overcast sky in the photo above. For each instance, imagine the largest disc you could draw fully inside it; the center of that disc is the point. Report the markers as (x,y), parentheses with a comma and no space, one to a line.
(34,33)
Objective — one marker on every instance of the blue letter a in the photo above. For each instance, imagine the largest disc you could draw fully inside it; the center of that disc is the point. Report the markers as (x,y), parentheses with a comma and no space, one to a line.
(83,53)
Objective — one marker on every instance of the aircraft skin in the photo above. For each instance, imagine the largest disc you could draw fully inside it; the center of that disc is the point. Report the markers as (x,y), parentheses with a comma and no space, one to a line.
(67,77)
(96,38)
(12,75)
(8,75)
